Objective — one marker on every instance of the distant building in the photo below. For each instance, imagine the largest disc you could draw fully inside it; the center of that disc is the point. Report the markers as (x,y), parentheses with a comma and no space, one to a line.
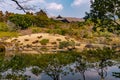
(59,18)
(68,19)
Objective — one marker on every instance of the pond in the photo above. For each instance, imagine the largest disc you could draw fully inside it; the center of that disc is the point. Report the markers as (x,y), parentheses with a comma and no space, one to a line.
(60,66)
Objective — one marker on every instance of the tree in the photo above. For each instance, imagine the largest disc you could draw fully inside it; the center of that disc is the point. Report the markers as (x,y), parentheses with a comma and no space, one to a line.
(41,19)
(105,13)
(21,20)
(42,13)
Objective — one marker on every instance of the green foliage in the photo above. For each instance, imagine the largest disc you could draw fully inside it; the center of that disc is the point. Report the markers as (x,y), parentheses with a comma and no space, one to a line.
(58,31)
(41,21)
(44,41)
(16,77)
(103,15)
(65,44)
(23,21)
(100,54)
(35,29)
(53,65)
(3,26)
(36,70)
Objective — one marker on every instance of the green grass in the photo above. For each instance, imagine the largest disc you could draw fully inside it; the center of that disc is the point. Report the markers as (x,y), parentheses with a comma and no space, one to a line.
(9,34)
(35,29)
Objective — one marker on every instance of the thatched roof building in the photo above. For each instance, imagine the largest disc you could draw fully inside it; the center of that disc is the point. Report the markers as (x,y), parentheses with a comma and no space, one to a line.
(68,19)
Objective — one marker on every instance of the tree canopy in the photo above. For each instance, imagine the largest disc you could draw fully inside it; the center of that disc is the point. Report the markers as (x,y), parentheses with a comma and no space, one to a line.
(105,13)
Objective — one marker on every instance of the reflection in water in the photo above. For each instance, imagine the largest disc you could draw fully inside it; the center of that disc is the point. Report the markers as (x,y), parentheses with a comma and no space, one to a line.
(116,74)
(67,66)
(102,68)
(81,66)
(54,69)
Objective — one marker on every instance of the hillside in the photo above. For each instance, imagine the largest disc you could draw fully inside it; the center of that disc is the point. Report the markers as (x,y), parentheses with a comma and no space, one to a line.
(37,33)
(41,42)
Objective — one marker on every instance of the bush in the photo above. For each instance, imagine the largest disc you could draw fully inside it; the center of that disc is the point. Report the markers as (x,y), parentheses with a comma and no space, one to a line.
(64,44)
(44,41)
(35,29)
(23,21)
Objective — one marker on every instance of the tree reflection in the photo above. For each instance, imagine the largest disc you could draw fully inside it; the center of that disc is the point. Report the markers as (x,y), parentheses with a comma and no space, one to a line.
(56,65)
(102,68)
(103,57)
(81,66)
(55,69)
(116,74)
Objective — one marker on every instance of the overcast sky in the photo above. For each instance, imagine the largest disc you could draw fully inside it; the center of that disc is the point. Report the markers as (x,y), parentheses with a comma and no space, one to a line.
(68,8)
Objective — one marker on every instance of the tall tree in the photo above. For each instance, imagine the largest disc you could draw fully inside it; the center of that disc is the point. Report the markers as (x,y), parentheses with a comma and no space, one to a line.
(105,13)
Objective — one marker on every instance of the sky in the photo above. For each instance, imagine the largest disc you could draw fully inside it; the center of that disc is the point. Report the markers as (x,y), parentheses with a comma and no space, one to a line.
(65,8)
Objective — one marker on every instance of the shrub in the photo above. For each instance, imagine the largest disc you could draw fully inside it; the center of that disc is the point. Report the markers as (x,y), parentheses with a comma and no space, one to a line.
(44,41)
(35,29)
(24,21)
(64,44)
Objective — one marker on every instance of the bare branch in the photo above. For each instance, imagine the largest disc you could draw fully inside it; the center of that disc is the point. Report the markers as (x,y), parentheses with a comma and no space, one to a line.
(19,5)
